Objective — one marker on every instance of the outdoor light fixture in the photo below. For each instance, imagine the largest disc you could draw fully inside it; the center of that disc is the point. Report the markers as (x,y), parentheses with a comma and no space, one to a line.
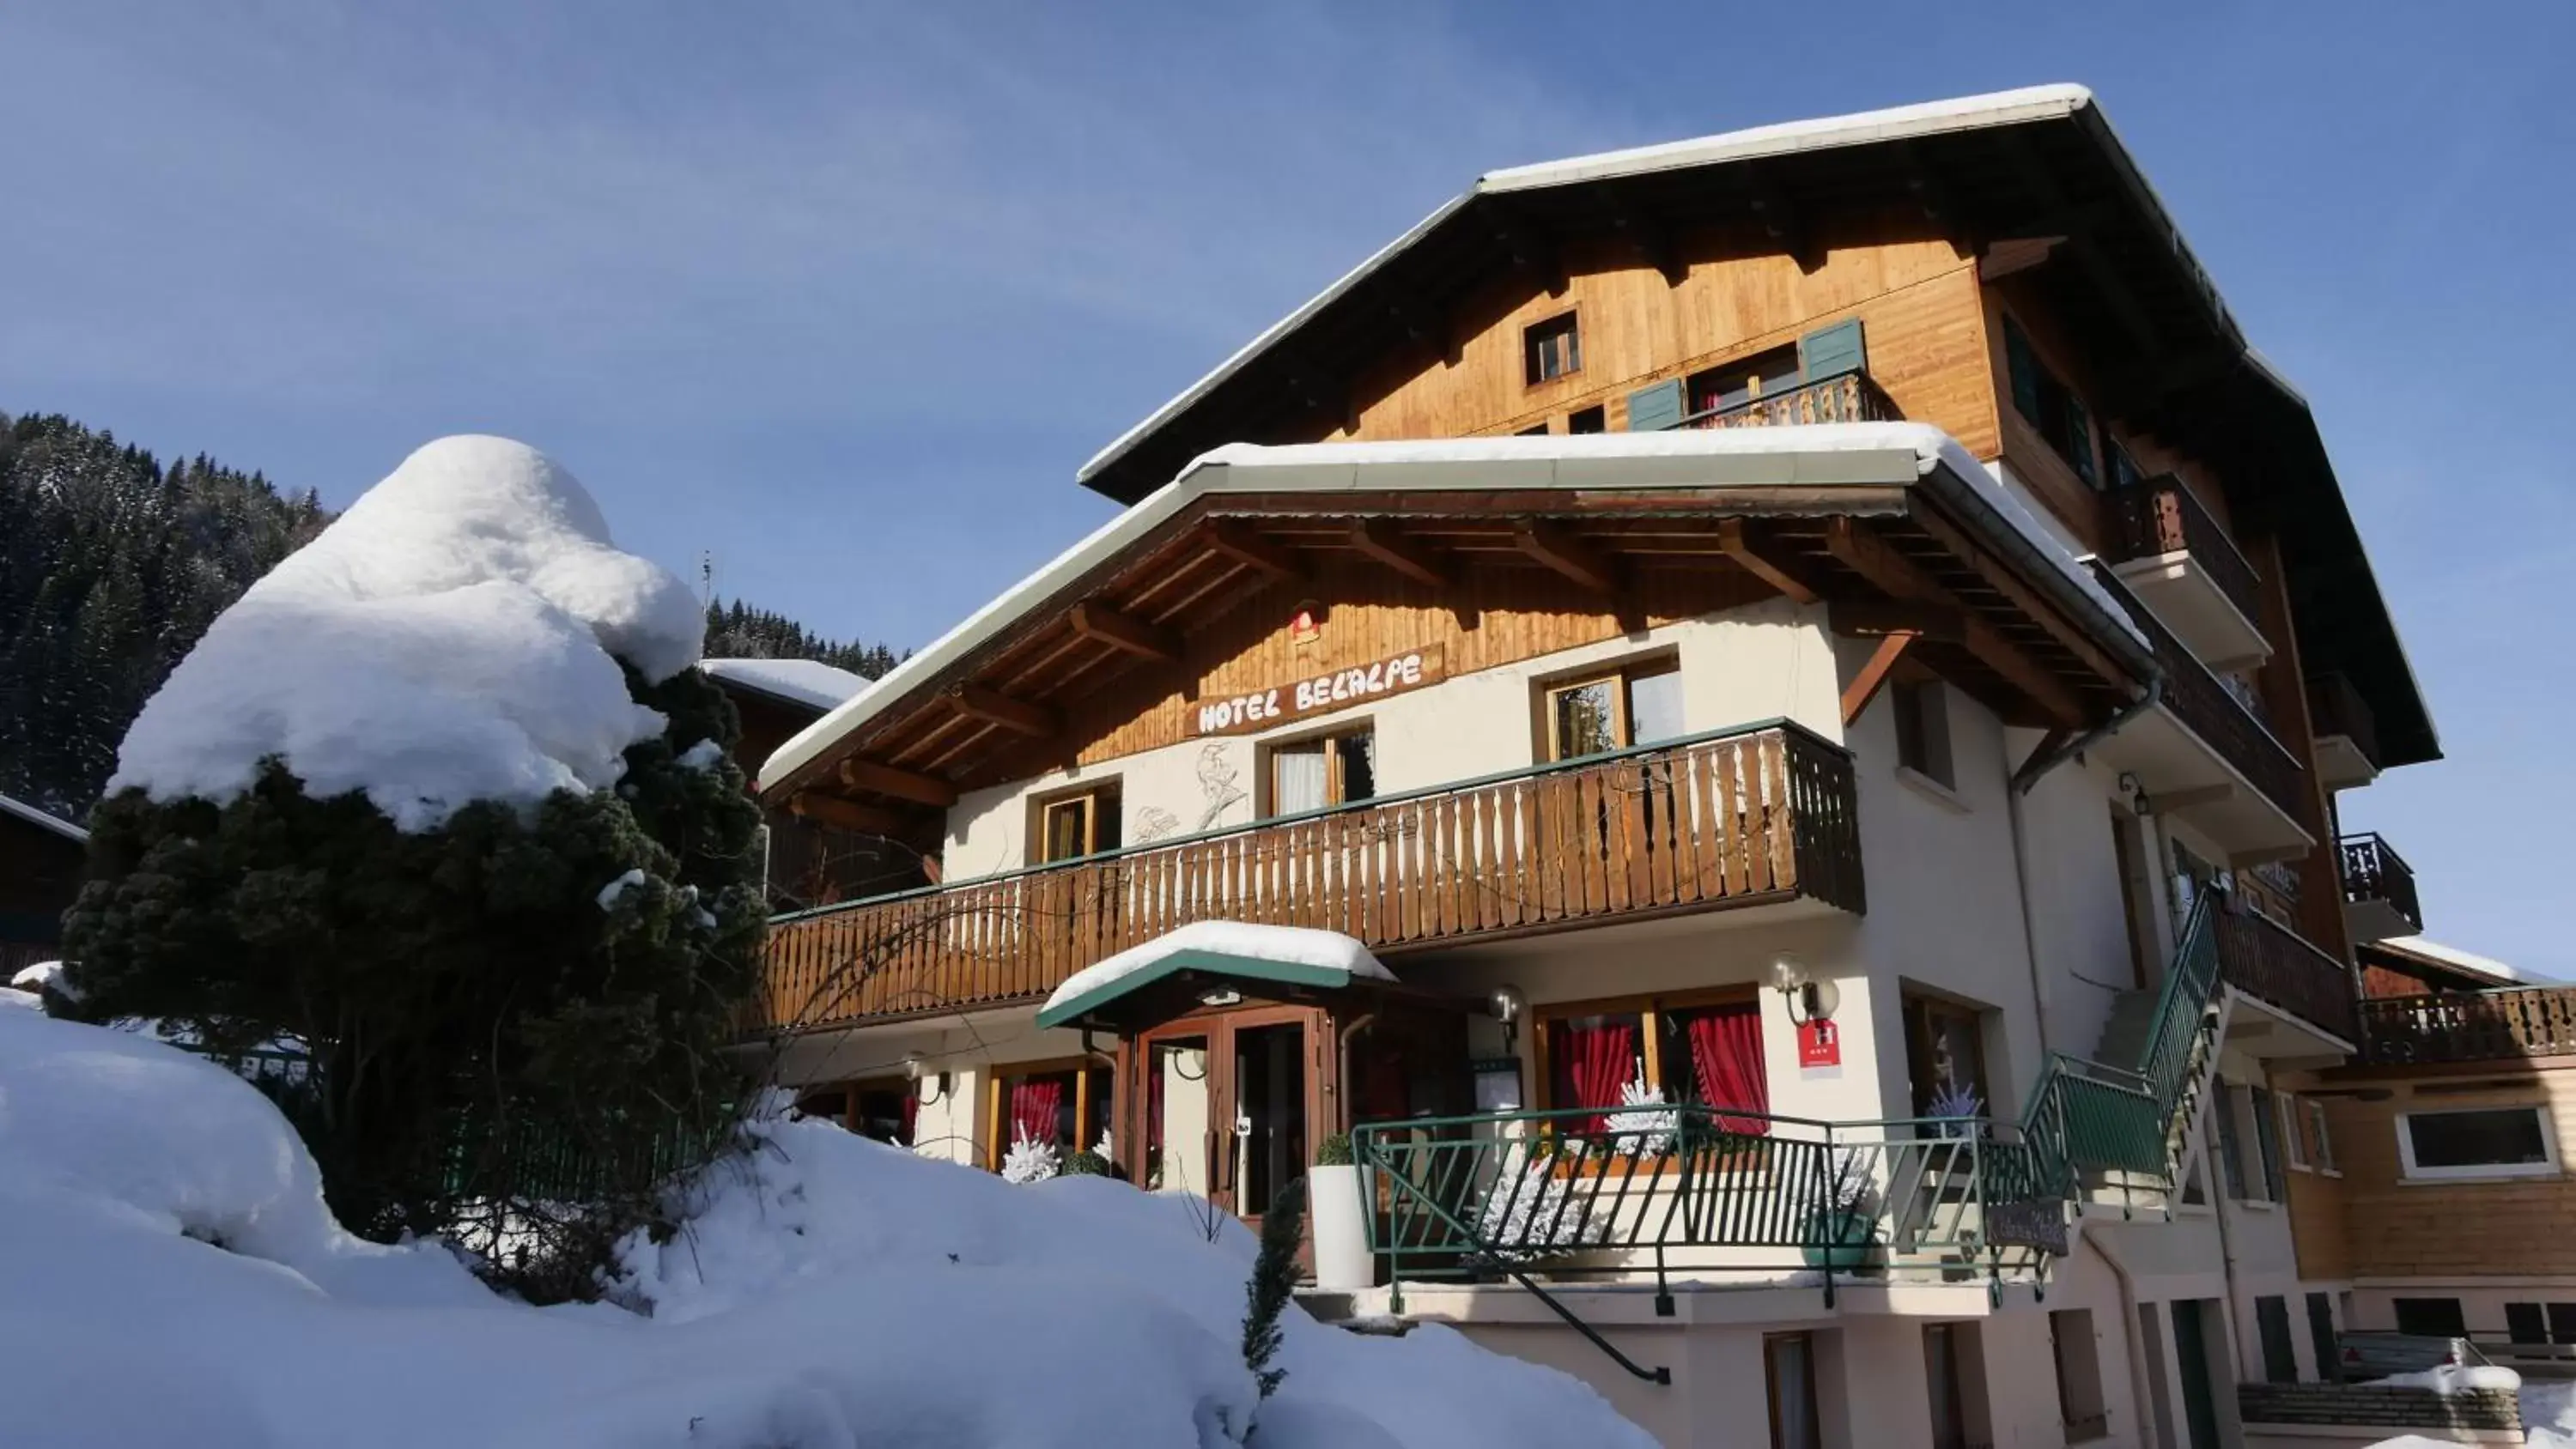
(2136,790)
(1221,996)
(1809,999)
(1508,1006)
(915,1068)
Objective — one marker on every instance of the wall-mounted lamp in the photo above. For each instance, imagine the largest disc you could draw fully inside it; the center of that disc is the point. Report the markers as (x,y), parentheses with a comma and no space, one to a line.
(916,1069)
(2136,790)
(1508,1006)
(1809,999)
(1221,996)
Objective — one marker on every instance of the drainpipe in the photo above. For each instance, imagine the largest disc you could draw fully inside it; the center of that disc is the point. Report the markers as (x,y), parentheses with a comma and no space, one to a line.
(1342,1082)
(2142,1408)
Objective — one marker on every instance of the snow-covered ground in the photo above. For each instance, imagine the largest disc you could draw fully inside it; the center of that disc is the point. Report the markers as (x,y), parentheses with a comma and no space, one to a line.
(2549,1413)
(169,1276)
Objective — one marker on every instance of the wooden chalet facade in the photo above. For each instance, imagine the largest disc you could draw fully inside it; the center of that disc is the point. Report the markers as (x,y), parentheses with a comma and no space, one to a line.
(42,862)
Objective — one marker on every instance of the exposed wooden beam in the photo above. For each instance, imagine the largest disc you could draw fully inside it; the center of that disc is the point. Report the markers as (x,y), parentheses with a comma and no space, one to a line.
(1868,618)
(901,784)
(1381,541)
(1531,253)
(840,814)
(1758,550)
(1019,716)
(1126,633)
(1568,555)
(1892,573)
(1238,542)
(1874,672)
(1652,242)
(1780,218)
(2003,581)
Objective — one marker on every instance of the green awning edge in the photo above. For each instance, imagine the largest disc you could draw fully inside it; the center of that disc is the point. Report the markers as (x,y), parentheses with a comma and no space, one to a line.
(1213,963)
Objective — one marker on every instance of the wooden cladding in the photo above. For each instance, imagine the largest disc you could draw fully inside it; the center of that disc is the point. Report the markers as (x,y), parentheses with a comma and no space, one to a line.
(1745,818)
(2275,965)
(2482,1026)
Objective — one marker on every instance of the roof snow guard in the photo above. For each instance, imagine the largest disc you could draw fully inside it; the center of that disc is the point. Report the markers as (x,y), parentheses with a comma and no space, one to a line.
(1216,952)
(2024,164)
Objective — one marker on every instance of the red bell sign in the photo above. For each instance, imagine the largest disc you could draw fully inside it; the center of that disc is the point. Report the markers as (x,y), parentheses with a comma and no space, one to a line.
(1819,1044)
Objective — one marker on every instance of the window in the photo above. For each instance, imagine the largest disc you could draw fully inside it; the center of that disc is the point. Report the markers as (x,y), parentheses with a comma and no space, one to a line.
(2267,1142)
(1737,384)
(2050,406)
(2294,1147)
(2320,1142)
(1073,826)
(1594,419)
(1699,1049)
(1535,430)
(2272,1324)
(1941,1347)
(1550,350)
(1637,705)
(1945,1057)
(2321,1338)
(879,1107)
(2125,472)
(1065,1105)
(1336,769)
(2079,1374)
(2562,1323)
(2477,1142)
(2523,1323)
(2430,1317)
(1923,730)
(2231,1150)
(1789,1371)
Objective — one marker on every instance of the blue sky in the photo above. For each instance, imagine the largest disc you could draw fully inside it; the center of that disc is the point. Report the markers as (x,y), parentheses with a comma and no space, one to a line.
(839,296)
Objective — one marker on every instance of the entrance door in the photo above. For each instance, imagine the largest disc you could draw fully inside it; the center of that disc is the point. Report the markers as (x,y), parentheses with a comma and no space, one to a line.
(2191,1327)
(1224,1105)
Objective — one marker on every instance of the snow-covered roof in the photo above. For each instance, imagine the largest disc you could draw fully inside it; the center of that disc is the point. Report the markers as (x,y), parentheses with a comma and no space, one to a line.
(1821,456)
(809,682)
(34,816)
(2000,108)
(1274,953)
(2453,956)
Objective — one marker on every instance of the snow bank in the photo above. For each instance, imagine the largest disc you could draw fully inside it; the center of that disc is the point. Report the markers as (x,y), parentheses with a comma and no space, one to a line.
(447,639)
(1297,945)
(809,682)
(2549,1414)
(169,1277)
(2452,1378)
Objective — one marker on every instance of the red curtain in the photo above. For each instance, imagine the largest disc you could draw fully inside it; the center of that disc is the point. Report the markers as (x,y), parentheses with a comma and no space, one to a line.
(1588,1062)
(911,1112)
(1726,1060)
(1034,1101)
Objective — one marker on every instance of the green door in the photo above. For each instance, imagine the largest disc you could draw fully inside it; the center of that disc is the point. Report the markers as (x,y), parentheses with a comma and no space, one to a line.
(2191,1358)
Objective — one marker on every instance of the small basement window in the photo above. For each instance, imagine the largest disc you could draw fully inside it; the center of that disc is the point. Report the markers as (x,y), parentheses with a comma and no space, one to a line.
(1551,349)
(2477,1142)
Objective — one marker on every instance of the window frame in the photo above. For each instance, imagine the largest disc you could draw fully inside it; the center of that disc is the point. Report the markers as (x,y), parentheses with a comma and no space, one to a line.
(1336,781)
(1539,335)
(1622,676)
(2320,1137)
(997,1098)
(2551,1166)
(1584,421)
(1099,796)
(1806,1342)
(1915,1013)
(2294,1141)
(1920,712)
(1648,1008)
(2052,407)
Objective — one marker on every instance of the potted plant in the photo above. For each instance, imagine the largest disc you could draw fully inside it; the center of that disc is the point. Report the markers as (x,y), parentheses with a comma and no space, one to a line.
(1957,1108)
(1339,1201)
(1838,1232)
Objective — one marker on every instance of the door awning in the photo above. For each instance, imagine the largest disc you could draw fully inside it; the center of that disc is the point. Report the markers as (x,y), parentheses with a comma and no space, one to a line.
(1165,976)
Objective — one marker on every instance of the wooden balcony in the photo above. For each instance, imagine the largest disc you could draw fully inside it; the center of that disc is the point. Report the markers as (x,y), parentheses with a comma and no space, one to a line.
(2178,559)
(1850,398)
(2469,1026)
(2202,753)
(1743,817)
(2378,890)
(2347,734)
(2278,967)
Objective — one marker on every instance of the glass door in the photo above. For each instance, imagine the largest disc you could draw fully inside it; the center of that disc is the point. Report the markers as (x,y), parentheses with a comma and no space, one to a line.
(1227,1105)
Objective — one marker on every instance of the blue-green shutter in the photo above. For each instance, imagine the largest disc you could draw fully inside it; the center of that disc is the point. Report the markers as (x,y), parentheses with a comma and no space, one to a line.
(1832,351)
(1653,409)
(2025,372)
(2078,442)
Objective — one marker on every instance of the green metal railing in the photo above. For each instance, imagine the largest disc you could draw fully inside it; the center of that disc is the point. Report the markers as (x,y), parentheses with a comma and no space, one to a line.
(1729,1195)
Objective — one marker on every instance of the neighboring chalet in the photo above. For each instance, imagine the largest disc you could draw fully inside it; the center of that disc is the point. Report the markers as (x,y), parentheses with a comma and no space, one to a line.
(1818,661)
(42,859)
(810,862)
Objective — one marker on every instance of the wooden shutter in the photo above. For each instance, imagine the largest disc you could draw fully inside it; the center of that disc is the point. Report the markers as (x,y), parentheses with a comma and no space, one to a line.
(1653,409)
(1832,351)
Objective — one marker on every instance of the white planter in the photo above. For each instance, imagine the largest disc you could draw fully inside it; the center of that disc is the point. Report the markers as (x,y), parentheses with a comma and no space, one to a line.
(1339,1200)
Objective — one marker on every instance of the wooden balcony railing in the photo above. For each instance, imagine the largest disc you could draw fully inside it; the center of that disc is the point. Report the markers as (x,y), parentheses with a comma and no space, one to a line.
(2158,516)
(2275,965)
(2373,871)
(2336,708)
(1755,814)
(2213,712)
(2469,1026)
(1850,398)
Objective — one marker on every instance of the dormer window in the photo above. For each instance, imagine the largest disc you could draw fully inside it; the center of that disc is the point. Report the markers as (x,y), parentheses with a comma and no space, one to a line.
(1551,349)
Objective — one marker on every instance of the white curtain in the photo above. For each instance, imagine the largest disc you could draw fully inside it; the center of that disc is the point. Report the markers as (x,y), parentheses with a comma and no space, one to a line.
(1297,781)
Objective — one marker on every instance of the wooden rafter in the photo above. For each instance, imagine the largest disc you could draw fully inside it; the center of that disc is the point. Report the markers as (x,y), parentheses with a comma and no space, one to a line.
(840,814)
(1875,671)
(2002,580)
(1019,716)
(1382,541)
(1869,618)
(1126,633)
(901,784)
(1566,554)
(1237,541)
(1758,549)
(1892,573)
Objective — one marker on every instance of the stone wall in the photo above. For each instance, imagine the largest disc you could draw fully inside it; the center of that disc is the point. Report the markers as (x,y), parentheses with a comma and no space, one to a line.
(2399,1410)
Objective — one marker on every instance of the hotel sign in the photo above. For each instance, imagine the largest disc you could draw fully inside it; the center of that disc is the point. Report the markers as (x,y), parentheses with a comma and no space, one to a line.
(1321,694)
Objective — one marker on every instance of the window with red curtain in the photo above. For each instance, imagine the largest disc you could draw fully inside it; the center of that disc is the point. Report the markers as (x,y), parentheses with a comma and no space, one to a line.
(1589,1059)
(1035,1105)
(1719,1061)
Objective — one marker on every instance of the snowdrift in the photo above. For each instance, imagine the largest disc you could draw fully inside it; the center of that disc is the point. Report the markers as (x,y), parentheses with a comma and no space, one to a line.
(454,636)
(169,1276)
